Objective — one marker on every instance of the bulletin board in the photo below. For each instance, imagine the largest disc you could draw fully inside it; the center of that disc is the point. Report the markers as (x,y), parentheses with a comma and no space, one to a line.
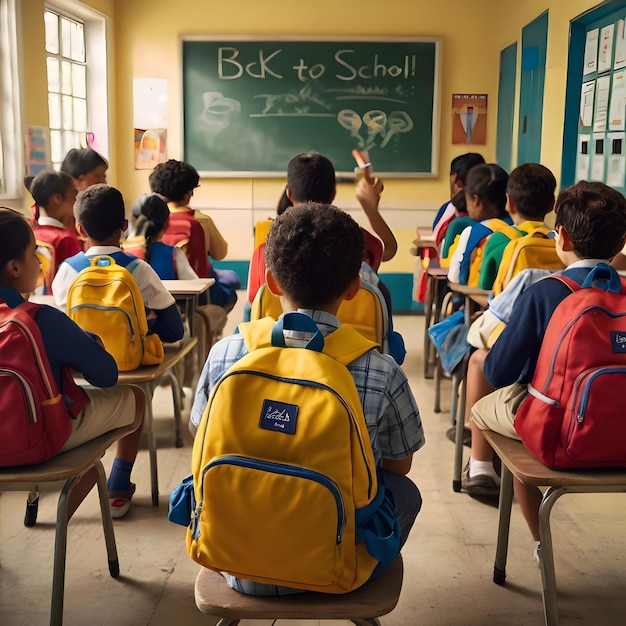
(597,92)
(250,105)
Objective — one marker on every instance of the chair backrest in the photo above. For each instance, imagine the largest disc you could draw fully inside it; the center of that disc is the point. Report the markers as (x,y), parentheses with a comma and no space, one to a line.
(366,312)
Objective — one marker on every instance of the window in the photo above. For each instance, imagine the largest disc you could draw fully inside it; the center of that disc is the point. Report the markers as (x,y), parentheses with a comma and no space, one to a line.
(77,69)
(10,123)
(67,83)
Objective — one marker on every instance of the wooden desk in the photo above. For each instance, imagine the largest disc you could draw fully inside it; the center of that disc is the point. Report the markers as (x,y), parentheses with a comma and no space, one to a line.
(148,377)
(519,462)
(187,293)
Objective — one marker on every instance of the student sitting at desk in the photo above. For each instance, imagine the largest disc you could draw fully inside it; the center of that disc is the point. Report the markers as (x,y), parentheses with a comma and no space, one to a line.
(311,178)
(93,410)
(485,194)
(175,181)
(315,284)
(169,262)
(530,193)
(591,228)
(100,219)
(54,194)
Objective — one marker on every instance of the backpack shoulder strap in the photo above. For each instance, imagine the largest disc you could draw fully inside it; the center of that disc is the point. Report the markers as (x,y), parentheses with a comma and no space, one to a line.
(78,262)
(572,285)
(344,344)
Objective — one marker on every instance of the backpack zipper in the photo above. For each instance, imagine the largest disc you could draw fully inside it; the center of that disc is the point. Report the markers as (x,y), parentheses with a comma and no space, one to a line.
(584,400)
(285,470)
(101,307)
(28,392)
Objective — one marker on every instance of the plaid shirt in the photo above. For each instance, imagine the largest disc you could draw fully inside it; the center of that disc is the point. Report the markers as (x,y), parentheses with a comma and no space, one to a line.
(391,414)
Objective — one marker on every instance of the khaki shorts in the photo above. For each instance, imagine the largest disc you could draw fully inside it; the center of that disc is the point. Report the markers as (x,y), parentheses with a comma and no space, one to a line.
(110,408)
(496,411)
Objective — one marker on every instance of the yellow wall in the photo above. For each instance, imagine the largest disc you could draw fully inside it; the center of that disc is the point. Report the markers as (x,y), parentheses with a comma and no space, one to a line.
(145,36)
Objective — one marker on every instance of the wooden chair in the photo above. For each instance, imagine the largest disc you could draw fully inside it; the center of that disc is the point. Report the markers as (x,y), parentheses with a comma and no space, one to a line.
(362,607)
(80,469)
(519,462)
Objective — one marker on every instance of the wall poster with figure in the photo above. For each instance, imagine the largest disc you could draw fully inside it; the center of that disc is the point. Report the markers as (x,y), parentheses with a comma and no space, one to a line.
(469,118)
(251,104)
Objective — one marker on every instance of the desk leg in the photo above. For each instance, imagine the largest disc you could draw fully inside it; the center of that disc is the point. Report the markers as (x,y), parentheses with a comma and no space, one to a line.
(504,523)
(546,556)
(149,427)
(457,414)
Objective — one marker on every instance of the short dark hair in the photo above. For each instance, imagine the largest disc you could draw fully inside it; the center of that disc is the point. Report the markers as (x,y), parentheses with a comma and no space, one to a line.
(311,178)
(314,251)
(532,185)
(81,161)
(151,220)
(173,179)
(99,209)
(462,164)
(15,235)
(488,182)
(47,183)
(594,217)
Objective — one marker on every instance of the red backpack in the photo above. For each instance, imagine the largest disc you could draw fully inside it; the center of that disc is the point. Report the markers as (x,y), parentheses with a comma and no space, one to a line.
(34,422)
(185,232)
(573,416)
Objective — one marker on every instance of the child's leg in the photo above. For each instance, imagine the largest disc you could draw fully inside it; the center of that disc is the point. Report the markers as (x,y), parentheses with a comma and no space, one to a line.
(477,384)
(407,500)
(529,498)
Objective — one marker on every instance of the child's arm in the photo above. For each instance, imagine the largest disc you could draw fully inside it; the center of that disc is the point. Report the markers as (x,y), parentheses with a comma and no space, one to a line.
(368,194)
(167,323)
(66,344)
(216,245)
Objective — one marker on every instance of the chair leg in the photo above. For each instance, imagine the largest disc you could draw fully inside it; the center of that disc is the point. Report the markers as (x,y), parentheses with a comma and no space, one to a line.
(372,621)
(32,508)
(107,522)
(177,394)
(504,523)
(458,403)
(152,448)
(227,621)
(60,545)
(546,556)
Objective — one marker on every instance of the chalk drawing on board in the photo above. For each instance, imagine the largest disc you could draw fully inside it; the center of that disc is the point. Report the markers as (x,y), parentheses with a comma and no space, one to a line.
(217,111)
(306,102)
(378,125)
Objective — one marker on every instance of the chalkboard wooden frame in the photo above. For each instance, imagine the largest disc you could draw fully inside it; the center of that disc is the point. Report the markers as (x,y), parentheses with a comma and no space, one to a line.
(244,100)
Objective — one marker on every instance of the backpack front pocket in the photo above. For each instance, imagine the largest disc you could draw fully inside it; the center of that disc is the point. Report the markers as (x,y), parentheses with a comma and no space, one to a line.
(297,532)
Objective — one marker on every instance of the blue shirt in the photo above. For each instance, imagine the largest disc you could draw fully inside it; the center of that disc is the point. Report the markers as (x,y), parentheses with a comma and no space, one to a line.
(514,355)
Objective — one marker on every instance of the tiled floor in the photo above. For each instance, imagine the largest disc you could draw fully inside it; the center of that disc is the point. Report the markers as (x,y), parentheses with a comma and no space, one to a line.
(448,558)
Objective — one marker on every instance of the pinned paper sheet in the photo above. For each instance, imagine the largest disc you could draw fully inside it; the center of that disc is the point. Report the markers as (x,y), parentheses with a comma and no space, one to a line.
(591,52)
(597,161)
(583,158)
(616,161)
(150,103)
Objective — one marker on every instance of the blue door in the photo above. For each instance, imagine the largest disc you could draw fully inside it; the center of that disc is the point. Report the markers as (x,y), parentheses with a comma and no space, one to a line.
(506,107)
(534,44)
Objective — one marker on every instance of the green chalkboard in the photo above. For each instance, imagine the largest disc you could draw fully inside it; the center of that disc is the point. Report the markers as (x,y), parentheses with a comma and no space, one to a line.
(251,105)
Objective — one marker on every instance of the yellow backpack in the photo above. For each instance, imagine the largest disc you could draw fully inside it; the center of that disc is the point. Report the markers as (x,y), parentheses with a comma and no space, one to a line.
(533,250)
(46,255)
(284,475)
(366,312)
(104,299)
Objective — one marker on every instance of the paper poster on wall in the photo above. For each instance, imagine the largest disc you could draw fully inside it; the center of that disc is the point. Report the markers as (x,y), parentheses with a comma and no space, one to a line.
(149,103)
(597,160)
(620,45)
(469,121)
(37,150)
(616,161)
(150,147)
(606,48)
(602,103)
(582,158)
(617,110)
(587,92)
(591,52)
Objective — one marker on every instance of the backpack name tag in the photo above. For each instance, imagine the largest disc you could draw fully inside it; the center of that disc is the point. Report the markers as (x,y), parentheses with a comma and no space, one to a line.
(618,341)
(279,416)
